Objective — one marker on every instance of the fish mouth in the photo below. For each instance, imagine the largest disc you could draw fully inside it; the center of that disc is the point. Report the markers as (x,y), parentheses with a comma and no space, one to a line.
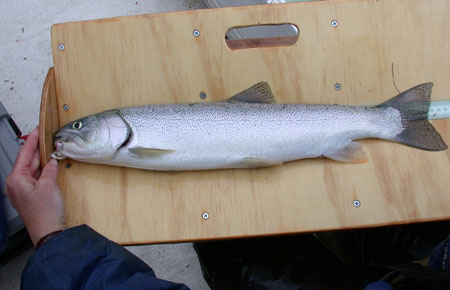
(58,145)
(58,155)
(59,140)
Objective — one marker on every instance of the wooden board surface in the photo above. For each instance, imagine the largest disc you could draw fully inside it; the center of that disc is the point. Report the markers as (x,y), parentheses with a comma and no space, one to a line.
(377,47)
(48,118)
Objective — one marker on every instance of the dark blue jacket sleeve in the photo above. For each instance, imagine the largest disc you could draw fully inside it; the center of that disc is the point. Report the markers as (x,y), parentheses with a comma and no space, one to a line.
(80,258)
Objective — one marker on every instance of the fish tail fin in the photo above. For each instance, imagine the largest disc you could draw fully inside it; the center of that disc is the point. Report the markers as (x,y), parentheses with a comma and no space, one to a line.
(413,106)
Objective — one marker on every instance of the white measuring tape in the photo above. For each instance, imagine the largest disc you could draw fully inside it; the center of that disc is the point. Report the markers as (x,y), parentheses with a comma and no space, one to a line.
(439,110)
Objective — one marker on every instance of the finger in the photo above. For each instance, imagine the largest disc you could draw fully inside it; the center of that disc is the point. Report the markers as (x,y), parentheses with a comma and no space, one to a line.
(37,174)
(25,155)
(50,172)
(36,162)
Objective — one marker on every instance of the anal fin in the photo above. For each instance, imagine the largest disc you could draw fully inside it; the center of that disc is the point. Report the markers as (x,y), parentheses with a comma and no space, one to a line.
(250,162)
(352,153)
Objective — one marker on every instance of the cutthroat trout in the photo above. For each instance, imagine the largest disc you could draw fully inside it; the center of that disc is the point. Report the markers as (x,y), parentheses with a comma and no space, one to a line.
(248,130)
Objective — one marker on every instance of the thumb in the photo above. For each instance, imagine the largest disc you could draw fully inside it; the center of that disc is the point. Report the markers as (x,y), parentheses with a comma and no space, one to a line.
(50,172)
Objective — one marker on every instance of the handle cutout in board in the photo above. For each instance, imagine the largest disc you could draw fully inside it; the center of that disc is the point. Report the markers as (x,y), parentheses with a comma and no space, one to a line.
(262,35)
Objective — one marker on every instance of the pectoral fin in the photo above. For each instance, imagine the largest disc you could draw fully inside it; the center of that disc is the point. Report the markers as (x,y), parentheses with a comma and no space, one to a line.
(149,152)
(352,152)
(250,162)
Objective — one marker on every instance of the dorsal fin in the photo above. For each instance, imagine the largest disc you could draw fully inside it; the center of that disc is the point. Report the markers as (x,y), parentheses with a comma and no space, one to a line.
(259,93)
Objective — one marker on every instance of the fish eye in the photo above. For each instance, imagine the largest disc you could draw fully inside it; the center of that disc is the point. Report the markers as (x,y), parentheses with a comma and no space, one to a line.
(77,125)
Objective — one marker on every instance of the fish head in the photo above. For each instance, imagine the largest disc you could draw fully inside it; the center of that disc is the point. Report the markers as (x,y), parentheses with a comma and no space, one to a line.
(95,138)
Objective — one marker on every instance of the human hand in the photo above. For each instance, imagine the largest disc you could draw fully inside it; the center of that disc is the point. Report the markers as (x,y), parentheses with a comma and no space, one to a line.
(34,194)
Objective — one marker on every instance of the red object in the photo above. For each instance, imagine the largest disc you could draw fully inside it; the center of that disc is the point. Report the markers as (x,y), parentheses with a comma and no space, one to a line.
(24,137)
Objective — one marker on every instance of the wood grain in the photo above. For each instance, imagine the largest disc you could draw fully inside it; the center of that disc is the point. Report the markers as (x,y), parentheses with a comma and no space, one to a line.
(149,59)
(48,118)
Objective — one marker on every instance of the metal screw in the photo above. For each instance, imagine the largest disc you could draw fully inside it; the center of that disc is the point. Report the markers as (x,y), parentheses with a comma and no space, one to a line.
(334,23)
(337,86)
(356,203)
(68,165)
(196,32)
(202,95)
(205,215)
(66,107)
(61,46)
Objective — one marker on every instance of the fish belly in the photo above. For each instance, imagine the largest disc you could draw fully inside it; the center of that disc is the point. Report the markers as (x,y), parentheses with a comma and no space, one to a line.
(224,135)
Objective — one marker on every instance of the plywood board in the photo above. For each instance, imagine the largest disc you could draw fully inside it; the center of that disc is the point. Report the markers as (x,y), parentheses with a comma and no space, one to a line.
(377,48)
(48,118)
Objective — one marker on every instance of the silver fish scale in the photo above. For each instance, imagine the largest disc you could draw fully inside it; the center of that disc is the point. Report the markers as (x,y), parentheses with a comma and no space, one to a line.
(220,135)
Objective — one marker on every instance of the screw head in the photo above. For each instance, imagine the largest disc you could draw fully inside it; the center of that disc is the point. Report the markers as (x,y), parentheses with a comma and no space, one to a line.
(66,107)
(202,95)
(337,86)
(356,203)
(61,46)
(334,23)
(196,33)
(205,215)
